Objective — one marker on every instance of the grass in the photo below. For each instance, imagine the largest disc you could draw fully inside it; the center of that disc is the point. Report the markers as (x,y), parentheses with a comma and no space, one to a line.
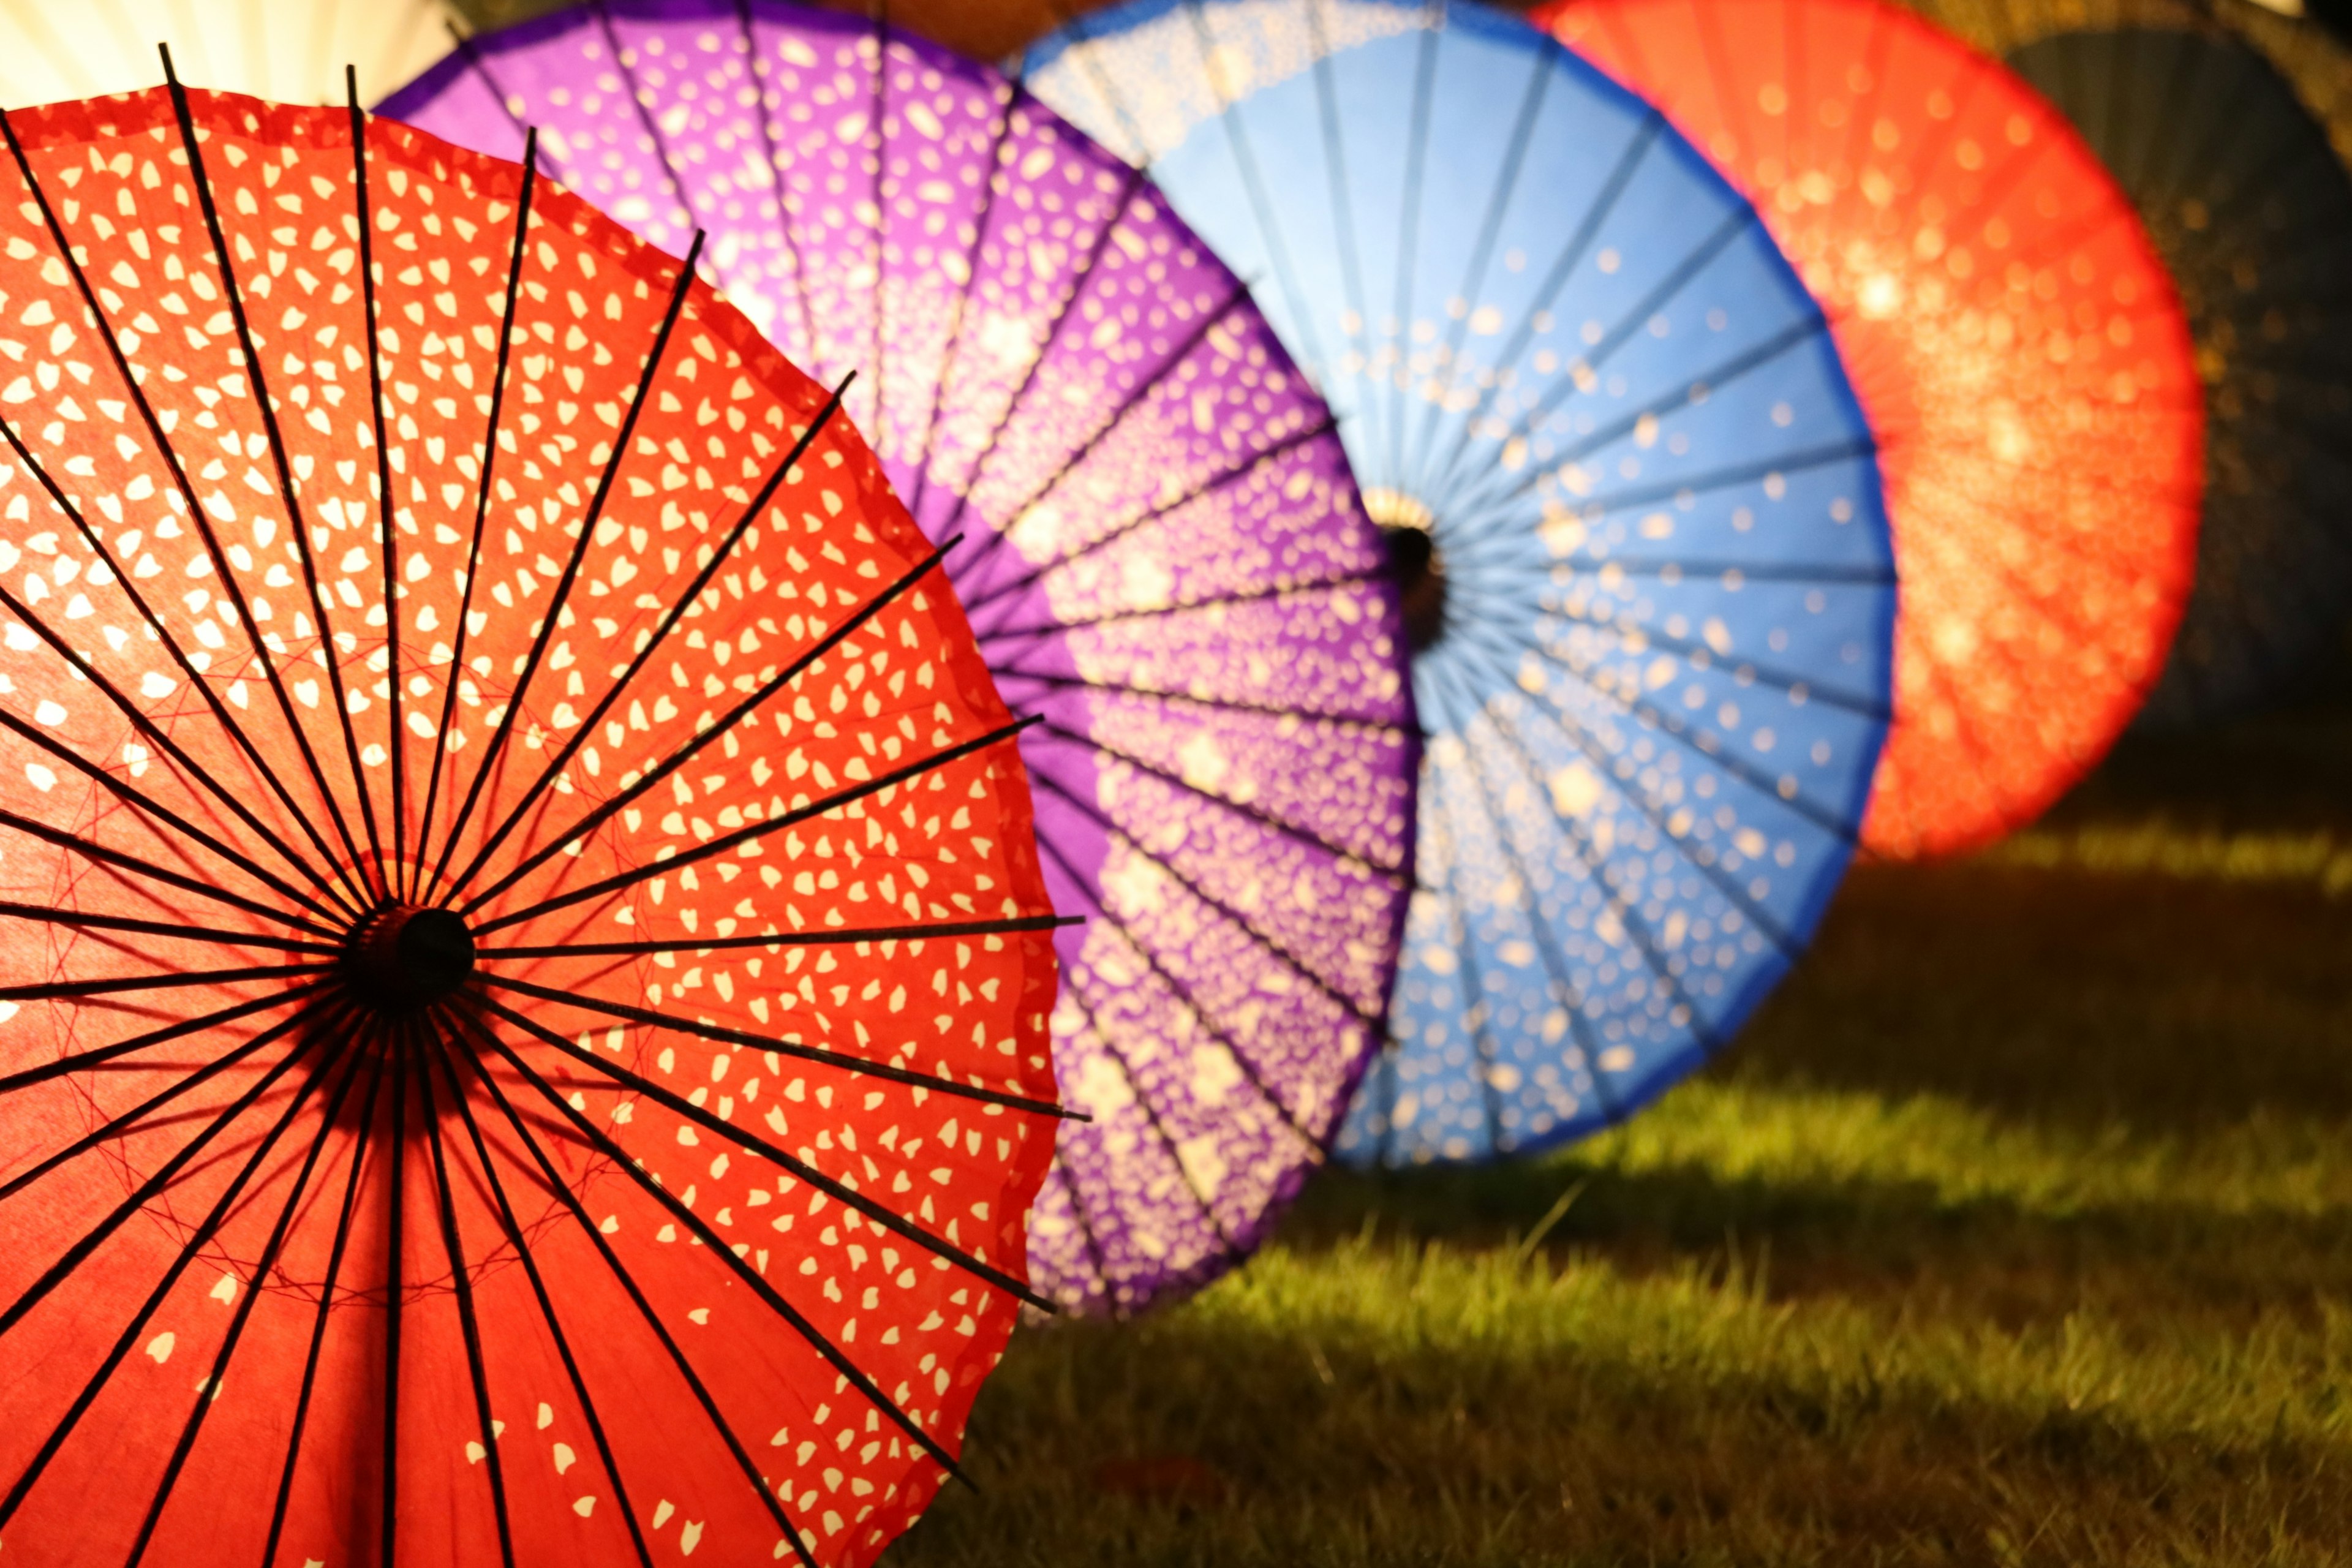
(2018,1230)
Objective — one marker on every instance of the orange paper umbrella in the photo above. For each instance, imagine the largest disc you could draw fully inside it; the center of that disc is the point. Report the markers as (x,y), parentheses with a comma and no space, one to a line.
(524,965)
(2018,347)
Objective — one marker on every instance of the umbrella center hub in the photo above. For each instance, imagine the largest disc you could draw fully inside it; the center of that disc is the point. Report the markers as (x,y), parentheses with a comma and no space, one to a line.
(405,956)
(1407,532)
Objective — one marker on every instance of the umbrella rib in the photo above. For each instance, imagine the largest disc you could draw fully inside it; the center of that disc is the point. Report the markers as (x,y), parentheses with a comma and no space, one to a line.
(326,1307)
(1548,57)
(469,1324)
(1695,652)
(209,1389)
(1002,138)
(798,1051)
(781,939)
(1085,449)
(588,522)
(974,603)
(202,1235)
(72,264)
(880,1214)
(81,1061)
(91,1240)
(686,601)
(1571,256)
(831,1353)
(1290,961)
(1278,591)
(1190,1003)
(756,831)
(880,111)
(1393,875)
(398,747)
(1393,390)
(138,798)
(601,815)
(122,1124)
(1224,704)
(418,890)
(471,53)
(1093,1245)
(513,1226)
(621,1275)
(602,11)
(755,61)
(119,859)
(395,1286)
(62,990)
(139,720)
(277,439)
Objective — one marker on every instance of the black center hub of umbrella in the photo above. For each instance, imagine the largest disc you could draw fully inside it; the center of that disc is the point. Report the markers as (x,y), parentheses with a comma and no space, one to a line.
(405,957)
(1419,568)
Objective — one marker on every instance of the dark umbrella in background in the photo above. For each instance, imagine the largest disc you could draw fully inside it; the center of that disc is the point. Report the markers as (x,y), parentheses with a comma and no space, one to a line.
(2251,209)
(1164,557)
(1628,488)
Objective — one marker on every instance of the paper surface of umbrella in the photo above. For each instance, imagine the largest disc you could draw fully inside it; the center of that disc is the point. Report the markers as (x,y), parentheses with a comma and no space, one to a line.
(2019,349)
(292,50)
(2252,211)
(1169,560)
(556,1071)
(1628,487)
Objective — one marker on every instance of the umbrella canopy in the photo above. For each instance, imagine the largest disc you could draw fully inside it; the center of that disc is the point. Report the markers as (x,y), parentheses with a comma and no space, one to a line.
(2021,350)
(1165,558)
(290,50)
(2251,210)
(525,986)
(1628,490)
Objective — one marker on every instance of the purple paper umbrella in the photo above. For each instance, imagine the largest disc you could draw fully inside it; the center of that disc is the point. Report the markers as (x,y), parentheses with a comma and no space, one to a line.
(1162,552)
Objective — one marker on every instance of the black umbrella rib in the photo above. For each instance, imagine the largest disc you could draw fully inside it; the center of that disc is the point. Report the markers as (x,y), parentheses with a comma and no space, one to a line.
(419,888)
(1393,875)
(395,1287)
(1003,672)
(131,711)
(61,990)
(1016,93)
(876,116)
(686,601)
(1093,1245)
(1257,595)
(1241,922)
(471,53)
(277,439)
(1104,86)
(1185,997)
(117,1126)
(602,12)
(831,1353)
(1569,257)
(798,1051)
(686,753)
(556,1184)
(468,1321)
(1085,448)
(209,1388)
(1396,391)
(513,1226)
(122,861)
(878,1213)
(756,831)
(1823,574)
(1548,57)
(146,805)
(83,1061)
(588,521)
(49,915)
(165,1174)
(973,604)
(197,1240)
(1254,184)
(832,938)
(397,740)
(753,61)
(1723,479)
(335,1255)
(1696,656)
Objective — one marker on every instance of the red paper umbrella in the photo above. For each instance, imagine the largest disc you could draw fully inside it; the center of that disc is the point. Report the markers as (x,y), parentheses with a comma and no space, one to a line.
(525,1007)
(2021,352)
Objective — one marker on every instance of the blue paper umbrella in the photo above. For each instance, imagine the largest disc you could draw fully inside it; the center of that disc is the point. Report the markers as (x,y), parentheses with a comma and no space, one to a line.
(1629,491)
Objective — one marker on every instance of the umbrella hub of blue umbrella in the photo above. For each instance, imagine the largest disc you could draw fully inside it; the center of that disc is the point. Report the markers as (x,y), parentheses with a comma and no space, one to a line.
(404,956)
(1408,529)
